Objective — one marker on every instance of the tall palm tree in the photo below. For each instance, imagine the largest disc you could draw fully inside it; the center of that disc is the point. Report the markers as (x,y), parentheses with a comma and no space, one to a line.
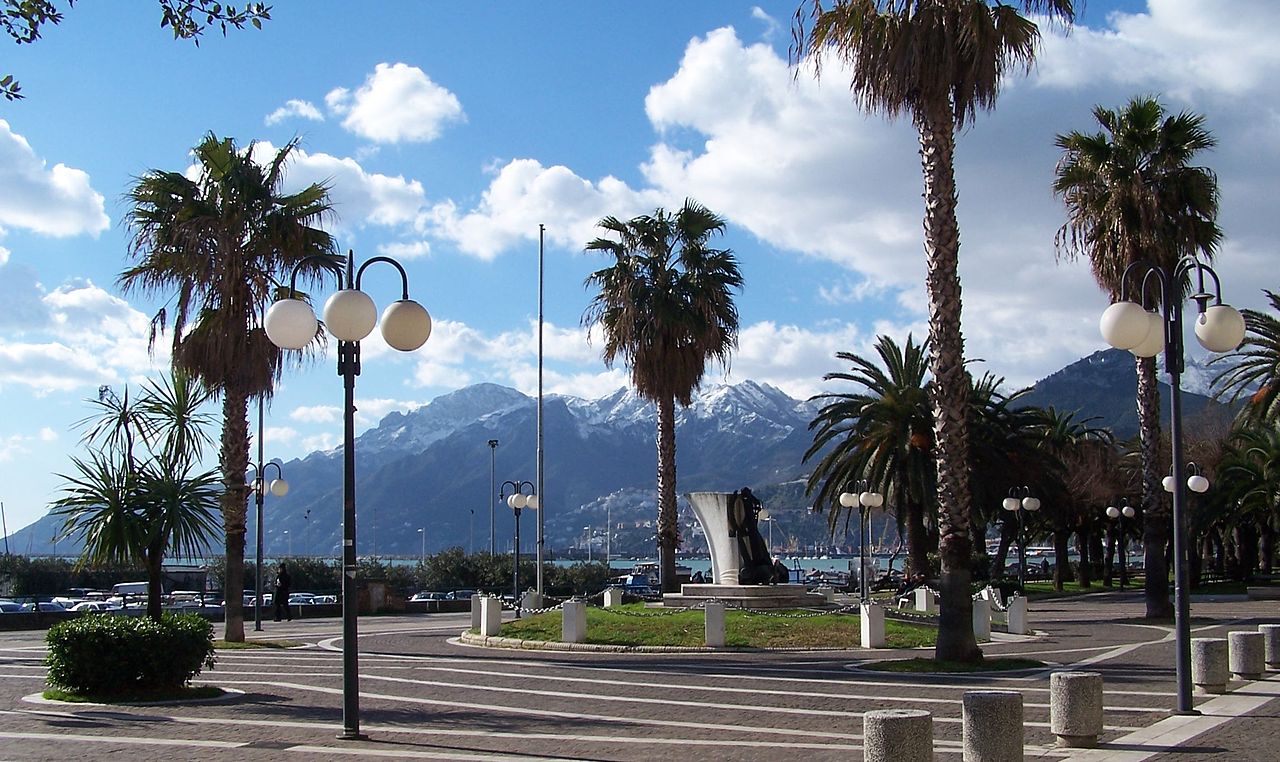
(940,62)
(218,246)
(666,307)
(1132,194)
(1254,369)
(132,509)
(884,434)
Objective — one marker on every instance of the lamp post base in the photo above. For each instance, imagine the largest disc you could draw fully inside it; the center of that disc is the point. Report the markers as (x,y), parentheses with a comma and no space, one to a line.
(352,735)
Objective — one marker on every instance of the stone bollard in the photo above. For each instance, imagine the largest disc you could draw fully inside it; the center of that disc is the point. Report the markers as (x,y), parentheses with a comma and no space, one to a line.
(490,616)
(1209,666)
(897,735)
(530,600)
(981,619)
(924,600)
(872,623)
(827,592)
(992,726)
(1075,708)
(1018,616)
(713,612)
(475,611)
(1246,655)
(612,597)
(1271,641)
(573,621)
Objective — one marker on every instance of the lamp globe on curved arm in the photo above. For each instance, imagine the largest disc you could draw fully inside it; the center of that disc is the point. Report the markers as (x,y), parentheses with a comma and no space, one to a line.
(291,324)
(1220,328)
(350,315)
(1125,325)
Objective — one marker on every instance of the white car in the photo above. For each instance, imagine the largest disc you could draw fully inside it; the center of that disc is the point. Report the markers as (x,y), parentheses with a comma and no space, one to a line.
(94,606)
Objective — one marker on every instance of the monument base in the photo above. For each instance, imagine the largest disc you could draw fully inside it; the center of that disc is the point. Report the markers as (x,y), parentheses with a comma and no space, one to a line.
(747,596)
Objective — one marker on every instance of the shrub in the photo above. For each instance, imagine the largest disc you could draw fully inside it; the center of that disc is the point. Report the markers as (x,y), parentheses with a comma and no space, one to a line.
(108,654)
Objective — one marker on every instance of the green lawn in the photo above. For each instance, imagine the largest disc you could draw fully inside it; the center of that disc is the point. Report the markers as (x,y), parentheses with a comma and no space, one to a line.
(634,625)
(188,693)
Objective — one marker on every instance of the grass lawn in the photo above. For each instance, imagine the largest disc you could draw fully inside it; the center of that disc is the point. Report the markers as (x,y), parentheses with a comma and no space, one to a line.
(227,645)
(634,625)
(182,694)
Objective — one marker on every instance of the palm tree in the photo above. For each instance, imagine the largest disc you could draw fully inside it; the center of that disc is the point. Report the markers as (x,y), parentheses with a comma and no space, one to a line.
(666,307)
(884,434)
(141,510)
(941,62)
(1131,195)
(219,246)
(1254,369)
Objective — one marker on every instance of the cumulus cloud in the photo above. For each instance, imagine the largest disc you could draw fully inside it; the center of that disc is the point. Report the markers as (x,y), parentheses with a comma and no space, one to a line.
(316,414)
(397,103)
(57,201)
(525,193)
(294,109)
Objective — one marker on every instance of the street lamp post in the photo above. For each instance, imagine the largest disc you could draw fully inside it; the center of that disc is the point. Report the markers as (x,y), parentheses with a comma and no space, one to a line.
(1018,502)
(493,490)
(518,501)
(350,316)
(288,543)
(278,487)
(1119,514)
(422,533)
(864,498)
(1130,325)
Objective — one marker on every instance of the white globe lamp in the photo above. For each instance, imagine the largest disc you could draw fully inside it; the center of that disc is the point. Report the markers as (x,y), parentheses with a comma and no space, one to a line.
(1124,325)
(290,324)
(406,325)
(279,487)
(1220,328)
(350,314)
(1154,343)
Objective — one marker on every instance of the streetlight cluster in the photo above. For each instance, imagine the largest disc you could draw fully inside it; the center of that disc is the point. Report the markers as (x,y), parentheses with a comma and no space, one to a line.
(864,499)
(1141,327)
(1122,514)
(1020,502)
(517,501)
(349,316)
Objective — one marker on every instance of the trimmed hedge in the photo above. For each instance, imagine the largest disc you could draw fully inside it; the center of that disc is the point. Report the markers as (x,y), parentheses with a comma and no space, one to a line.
(106,654)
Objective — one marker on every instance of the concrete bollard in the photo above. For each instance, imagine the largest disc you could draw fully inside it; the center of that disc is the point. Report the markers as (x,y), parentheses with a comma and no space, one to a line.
(897,735)
(475,611)
(1246,655)
(1018,616)
(992,726)
(1075,708)
(1271,641)
(827,592)
(872,624)
(490,616)
(573,621)
(713,612)
(1209,666)
(925,601)
(612,597)
(981,619)
(530,600)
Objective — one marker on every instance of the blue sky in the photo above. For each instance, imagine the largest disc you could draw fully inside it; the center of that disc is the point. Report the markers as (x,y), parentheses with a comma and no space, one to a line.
(450,131)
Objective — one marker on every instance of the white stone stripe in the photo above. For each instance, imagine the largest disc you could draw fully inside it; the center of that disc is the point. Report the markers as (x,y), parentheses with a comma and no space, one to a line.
(135,740)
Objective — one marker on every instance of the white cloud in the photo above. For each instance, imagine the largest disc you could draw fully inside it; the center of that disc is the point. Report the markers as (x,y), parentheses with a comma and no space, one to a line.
(525,193)
(279,435)
(48,435)
(57,201)
(405,249)
(359,197)
(294,108)
(396,103)
(316,414)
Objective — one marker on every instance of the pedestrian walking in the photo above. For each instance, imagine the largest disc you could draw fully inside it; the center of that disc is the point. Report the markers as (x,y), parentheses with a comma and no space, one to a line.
(282,593)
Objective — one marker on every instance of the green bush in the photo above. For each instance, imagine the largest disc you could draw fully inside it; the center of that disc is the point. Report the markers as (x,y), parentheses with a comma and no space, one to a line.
(108,654)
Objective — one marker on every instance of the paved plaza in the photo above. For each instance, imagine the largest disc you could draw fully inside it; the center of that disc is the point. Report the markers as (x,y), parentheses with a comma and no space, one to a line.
(424,696)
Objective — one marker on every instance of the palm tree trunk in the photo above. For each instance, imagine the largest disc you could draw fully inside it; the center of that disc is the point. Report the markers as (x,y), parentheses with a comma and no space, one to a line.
(1157,520)
(668,532)
(153,560)
(950,388)
(917,539)
(233,459)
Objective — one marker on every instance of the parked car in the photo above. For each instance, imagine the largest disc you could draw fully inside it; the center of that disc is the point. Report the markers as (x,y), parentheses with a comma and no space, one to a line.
(429,596)
(325,599)
(10,607)
(44,606)
(301,599)
(460,595)
(96,606)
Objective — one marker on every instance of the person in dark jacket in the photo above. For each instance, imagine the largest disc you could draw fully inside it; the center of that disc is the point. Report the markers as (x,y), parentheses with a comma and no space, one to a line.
(281,596)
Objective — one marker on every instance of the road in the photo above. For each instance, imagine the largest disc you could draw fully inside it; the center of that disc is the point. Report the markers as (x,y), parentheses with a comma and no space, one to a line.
(424,696)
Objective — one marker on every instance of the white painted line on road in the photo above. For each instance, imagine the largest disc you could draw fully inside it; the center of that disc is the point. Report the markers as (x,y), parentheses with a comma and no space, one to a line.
(135,740)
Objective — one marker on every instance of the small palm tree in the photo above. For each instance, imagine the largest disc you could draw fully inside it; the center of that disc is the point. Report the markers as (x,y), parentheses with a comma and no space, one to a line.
(132,509)
(666,307)
(883,433)
(941,62)
(220,246)
(1254,369)
(1132,194)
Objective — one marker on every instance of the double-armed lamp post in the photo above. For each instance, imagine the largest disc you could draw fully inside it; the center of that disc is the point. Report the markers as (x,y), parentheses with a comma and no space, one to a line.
(349,315)
(522,496)
(1146,327)
(278,487)
(1122,513)
(1019,502)
(865,499)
